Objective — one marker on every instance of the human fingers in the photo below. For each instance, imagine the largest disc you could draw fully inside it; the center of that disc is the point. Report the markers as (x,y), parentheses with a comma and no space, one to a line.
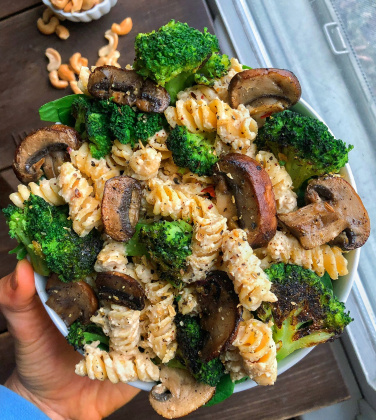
(21,307)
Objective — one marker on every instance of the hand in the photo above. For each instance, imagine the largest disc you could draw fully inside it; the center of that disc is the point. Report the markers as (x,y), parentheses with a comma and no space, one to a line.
(45,362)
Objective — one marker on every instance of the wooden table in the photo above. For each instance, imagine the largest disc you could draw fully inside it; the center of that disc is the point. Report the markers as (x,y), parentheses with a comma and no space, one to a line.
(316,381)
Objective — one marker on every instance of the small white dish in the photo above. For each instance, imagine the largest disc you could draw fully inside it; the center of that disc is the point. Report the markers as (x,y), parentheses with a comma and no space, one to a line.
(342,287)
(95,13)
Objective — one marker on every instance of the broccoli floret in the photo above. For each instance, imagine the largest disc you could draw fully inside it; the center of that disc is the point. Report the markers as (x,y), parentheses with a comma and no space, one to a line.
(80,107)
(191,339)
(169,245)
(147,124)
(47,233)
(192,150)
(98,133)
(304,144)
(121,121)
(172,55)
(306,313)
(16,220)
(80,334)
(217,66)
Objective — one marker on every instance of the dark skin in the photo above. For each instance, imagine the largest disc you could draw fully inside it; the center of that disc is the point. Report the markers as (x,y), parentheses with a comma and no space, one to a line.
(45,362)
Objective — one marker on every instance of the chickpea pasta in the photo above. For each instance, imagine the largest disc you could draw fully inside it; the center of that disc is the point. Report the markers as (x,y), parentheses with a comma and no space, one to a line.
(48,189)
(286,248)
(84,208)
(250,282)
(116,366)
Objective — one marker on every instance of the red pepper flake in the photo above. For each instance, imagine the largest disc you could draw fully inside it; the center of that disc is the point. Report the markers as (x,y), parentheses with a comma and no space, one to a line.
(210,190)
(210,207)
(268,114)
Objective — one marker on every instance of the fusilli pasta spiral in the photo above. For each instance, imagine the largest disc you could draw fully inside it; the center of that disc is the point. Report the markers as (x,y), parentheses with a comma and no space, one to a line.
(96,170)
(188,303)
(158,142)
(121,153)
(250,282)
(122,325)
(48,189)
(258,350)
(84,209)
(116,366)
(282,184)
(145,163)
(286,248)
(221,85)
(161,314)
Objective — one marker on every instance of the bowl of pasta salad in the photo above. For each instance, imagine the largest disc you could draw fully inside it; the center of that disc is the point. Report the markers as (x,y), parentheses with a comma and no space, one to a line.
(193,224)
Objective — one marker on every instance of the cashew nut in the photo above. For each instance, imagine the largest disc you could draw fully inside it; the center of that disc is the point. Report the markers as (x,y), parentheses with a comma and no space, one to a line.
(68,7)
(59,4)
(54,59)
(113,40)
(62,32)
(124,28)
(77,61)
(47,15)
(74,87)
(109,60)
(48,28)
(56,82)
(65,73)
(77,6)
(89,4)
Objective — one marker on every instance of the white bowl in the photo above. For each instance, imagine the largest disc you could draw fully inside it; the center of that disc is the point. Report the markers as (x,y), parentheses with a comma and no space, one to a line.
(341,287)
(95,13)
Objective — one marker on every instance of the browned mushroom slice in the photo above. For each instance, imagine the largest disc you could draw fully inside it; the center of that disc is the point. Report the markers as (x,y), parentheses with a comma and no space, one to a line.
(335,214)
(252,193)
(109,81)
(178,394)
(126,87)
(221,313)
(153,98)
(74,301)
(35,153)
(120,289)
(121,207)
(264,91)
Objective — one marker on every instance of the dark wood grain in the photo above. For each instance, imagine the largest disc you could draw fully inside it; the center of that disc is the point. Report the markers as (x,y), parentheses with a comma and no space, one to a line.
(25,66)
(7,362)
(10,7)
(315,382)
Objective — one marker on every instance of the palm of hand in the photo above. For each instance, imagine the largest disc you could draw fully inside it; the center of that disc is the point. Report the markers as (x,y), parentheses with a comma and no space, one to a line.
(45,361)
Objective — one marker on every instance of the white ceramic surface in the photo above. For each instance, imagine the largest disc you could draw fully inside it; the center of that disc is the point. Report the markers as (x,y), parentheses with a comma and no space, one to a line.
(87,16)
(341,287)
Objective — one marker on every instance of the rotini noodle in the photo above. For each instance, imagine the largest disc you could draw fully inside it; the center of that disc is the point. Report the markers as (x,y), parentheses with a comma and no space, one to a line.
(286,248)
(250,282)
(116,366)
(121,154)
(84,209)
(97,170)
(188,303)
(258,350)
(158,142)
(48,189)
(221,85)
(145,163)
(284,195)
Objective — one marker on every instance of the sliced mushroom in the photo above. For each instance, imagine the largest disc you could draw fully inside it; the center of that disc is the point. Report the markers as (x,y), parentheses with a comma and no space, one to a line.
(178,394)
(37,151)
(252,193)
(153,98)
(335,214)
(264,91)
(120,289)
(74,301)
(120,207)
(126,87)
(221,313)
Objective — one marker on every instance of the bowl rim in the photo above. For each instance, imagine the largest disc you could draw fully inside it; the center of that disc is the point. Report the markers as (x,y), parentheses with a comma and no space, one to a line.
(292,359)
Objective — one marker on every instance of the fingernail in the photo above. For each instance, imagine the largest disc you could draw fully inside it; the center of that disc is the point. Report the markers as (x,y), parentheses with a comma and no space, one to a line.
(14,281)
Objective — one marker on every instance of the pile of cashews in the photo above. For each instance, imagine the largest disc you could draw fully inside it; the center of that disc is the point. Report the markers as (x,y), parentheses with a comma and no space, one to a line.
(63,75)
(49,24)
(74,6)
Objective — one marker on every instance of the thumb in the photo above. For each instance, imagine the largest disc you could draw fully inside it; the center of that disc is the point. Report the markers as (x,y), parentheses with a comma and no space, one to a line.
(20,305)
